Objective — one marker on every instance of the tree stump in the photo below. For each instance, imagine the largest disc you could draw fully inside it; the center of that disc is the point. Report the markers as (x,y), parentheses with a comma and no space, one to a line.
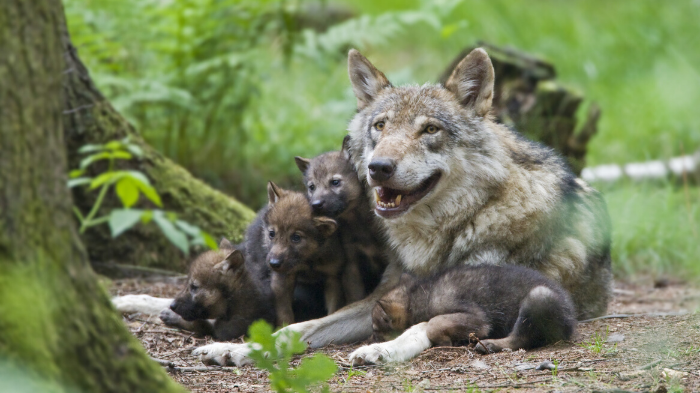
(528,99)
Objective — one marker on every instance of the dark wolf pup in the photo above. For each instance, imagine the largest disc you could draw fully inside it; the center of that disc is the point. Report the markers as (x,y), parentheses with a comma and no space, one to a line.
(335,191)
(504,306)
(453,187)
(300,247)
(224,294)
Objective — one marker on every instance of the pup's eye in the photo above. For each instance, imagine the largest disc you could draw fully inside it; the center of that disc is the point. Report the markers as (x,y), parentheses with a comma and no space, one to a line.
(335,182)
(431,129)
(379,125)
(312,187)
(271,234)
(295,238)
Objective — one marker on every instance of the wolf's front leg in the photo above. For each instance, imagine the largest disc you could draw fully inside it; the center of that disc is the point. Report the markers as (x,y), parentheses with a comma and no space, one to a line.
(405,347)
(145,304)
(283,289)
(333,294)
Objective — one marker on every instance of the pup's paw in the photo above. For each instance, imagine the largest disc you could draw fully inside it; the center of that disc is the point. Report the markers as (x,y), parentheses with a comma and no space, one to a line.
(369,354)
(140,304)
(486,347)
(223,354)
(170,317)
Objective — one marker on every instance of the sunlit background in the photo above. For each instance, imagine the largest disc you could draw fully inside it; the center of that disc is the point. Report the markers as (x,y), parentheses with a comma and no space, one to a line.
(233,90)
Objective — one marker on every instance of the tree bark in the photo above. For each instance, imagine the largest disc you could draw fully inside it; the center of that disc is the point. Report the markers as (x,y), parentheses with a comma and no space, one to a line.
(89,118)
(58,329)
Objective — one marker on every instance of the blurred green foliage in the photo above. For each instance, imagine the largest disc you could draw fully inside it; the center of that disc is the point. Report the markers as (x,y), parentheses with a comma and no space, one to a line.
(234,89)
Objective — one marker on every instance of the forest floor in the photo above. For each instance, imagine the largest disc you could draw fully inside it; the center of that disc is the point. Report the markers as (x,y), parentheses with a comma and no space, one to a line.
(654,347)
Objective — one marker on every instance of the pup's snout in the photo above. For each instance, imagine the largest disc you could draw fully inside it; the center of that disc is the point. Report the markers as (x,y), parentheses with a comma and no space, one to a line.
(381,169)
(317,205)
(275,263)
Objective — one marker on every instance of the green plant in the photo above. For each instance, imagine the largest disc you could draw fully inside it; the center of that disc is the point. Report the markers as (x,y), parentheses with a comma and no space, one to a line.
(352,373)
(129,185)
(273,352)
(596,344)
(408,386)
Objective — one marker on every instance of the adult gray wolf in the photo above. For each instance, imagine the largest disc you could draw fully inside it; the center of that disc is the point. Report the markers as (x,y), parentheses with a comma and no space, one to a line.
(453,187)
(503,306)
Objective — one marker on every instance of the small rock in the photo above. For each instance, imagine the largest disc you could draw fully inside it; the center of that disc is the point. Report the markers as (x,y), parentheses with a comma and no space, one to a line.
(626,376)
(669,373)
(422,385)
(615,338)
(546,365)
(525,366)
(480,365)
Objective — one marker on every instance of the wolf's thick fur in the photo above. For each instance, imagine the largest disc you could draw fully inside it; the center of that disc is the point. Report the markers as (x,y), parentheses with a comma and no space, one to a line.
(472,192)
(504,306)
(224,294)
(335,191)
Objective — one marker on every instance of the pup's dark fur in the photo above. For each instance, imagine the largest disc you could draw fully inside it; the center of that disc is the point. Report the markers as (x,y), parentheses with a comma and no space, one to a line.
(505,306)
(335,191)
(225,293)
(300,248)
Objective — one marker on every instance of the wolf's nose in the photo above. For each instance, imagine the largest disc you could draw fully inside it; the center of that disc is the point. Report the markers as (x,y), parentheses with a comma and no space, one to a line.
(275,263)
(381,168)
(317,205)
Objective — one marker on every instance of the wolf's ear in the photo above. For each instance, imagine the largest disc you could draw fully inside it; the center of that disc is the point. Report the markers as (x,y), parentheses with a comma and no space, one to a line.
(274,193)
(302,163)
(232,261)
(472,82)
(346,147)
(325,225)
(366,79)
(225,243)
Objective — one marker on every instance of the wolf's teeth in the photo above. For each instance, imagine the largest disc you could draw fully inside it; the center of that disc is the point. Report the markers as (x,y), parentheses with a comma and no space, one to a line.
(398,200)
(376,195)
(392,204)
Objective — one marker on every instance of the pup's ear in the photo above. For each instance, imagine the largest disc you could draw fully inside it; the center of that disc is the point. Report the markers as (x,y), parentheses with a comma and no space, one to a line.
(366,79)
(302,163)
(274,193)
(225,243)
(231,262)
(325,225)
(472,82)
(346,147)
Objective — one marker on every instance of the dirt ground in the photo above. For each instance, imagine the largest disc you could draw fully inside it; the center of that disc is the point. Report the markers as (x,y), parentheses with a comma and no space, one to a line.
(653,347)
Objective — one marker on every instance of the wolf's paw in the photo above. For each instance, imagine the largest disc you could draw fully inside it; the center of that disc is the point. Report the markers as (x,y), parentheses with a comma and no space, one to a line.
(170,317)
(486,347)
(224,354)
(140,303)
(369,354)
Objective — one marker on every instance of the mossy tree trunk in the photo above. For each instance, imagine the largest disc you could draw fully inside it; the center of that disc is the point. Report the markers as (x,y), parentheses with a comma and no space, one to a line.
(58,330)
(89,118)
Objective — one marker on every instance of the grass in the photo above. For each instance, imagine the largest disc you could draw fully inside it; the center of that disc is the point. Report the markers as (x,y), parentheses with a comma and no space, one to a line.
(596,344)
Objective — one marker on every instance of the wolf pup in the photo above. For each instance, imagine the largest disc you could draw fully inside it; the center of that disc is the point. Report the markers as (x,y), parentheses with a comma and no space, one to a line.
(504,306)
(453,187)
(335,191)
(302,247)
(223,296)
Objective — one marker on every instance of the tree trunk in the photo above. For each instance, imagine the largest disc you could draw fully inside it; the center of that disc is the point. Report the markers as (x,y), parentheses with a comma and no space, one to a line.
(89,118)
(58,330)
(527,98)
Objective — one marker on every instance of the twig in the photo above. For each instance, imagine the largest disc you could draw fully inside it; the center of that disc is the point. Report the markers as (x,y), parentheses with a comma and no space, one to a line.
(650,365)
(202,369)
(163,362)
(651,314)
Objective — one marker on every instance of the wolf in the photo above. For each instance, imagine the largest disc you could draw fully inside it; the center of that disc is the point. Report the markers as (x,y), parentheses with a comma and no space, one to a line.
(503,306)
(302,247)
(335,191)
(224,294)
(452,187)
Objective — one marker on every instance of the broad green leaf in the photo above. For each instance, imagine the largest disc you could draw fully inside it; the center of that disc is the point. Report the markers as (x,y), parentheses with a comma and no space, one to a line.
(150,193)
(176,237)
(135,149)
(122,219)
(188,228)
(107,177)
(75,173)
(90,148)
(127,191)
(147,216)
(316,368)
(85,162)
(114,145)
(121,155)
(78,182)
(138,176)
(209,241)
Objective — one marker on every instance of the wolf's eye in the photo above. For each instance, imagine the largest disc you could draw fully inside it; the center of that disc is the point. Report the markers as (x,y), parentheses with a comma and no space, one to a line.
(271,234)
(335,182)
(379,125)
(295,238)
(312,187)
(431,129)
(193,287)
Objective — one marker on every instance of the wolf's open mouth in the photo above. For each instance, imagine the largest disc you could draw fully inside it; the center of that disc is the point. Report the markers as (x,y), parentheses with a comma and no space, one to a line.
(390,202)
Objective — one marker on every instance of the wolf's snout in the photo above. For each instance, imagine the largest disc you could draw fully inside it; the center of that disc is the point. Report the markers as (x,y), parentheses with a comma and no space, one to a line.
(317,205)
(275,263)
(381,169)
